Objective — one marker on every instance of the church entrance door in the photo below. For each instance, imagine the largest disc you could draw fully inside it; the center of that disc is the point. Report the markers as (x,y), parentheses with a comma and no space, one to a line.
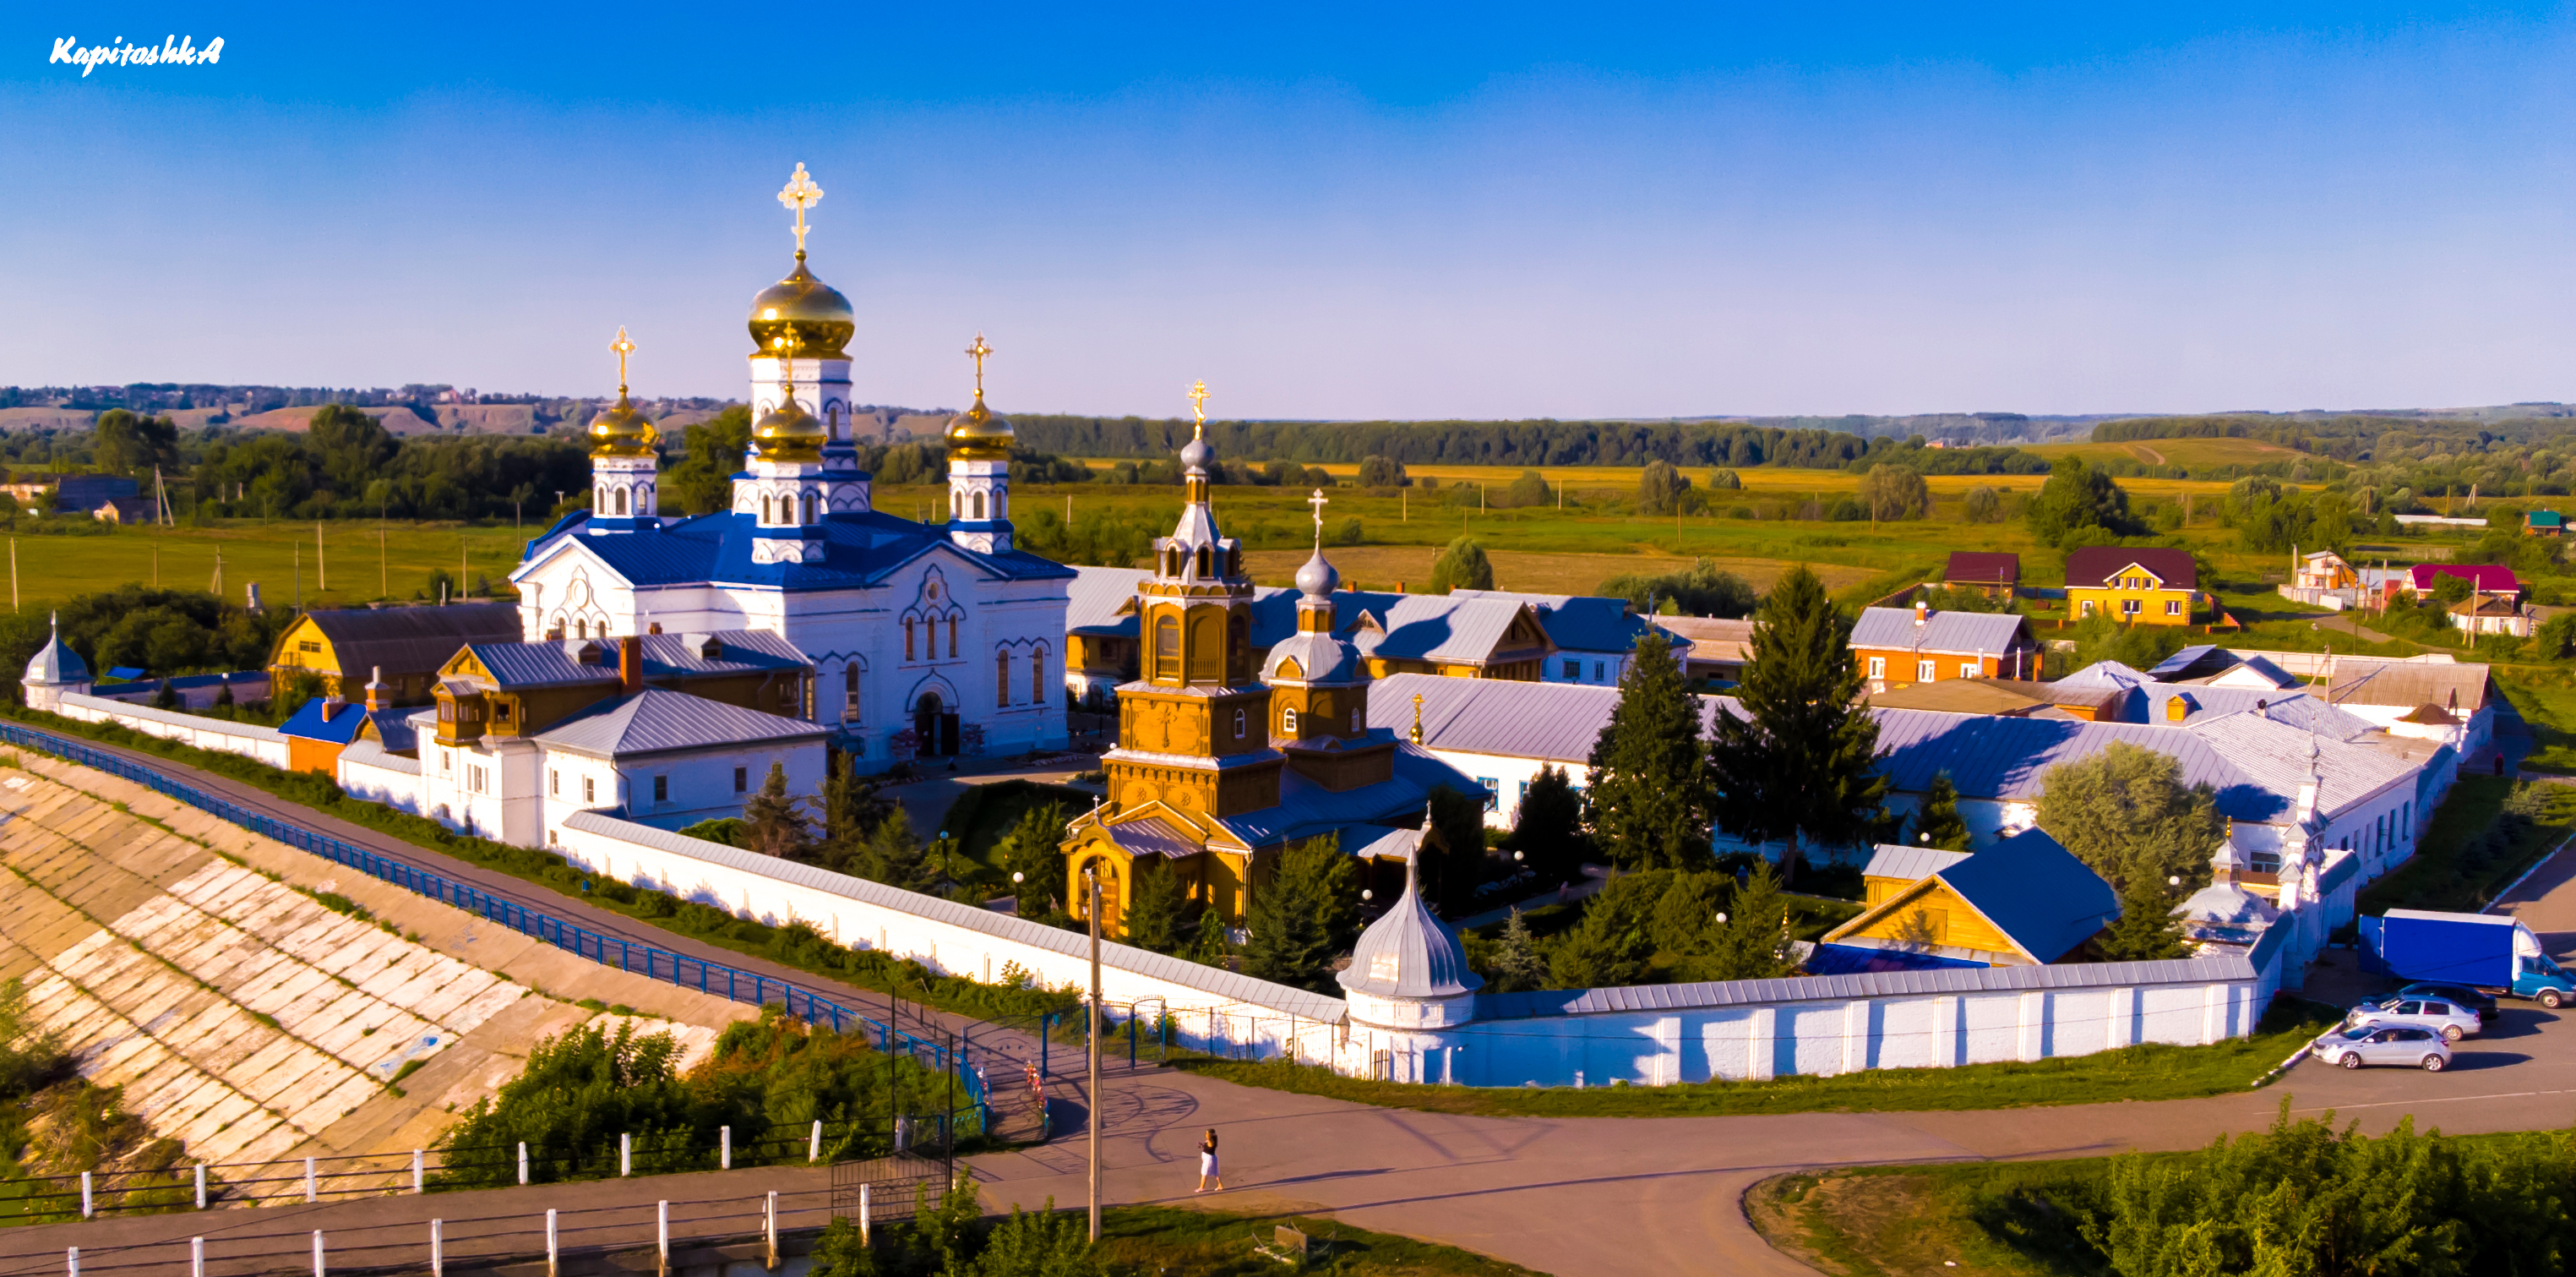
(933,727)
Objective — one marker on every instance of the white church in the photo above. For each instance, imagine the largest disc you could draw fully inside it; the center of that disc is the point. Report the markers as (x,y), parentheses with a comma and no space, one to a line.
(925,640)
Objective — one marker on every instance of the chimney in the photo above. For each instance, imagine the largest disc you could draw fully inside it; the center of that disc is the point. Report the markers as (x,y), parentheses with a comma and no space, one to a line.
(2176,709)
(1922,611)
(630,664)
(376,690)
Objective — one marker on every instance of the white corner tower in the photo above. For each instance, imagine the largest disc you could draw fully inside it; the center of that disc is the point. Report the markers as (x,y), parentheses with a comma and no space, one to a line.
(1409,985)
(57,671)
(625,470)
(802,463)
(979,470)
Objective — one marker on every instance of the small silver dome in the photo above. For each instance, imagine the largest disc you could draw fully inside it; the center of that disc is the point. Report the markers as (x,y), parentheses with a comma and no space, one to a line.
(1318,578)
(1410,953)
(1195,455)
(56,662)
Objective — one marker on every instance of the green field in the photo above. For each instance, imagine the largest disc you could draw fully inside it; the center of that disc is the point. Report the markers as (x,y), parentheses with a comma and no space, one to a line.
(347,568)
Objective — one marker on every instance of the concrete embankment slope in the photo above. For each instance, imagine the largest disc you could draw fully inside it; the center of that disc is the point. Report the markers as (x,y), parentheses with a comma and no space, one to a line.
(190,962)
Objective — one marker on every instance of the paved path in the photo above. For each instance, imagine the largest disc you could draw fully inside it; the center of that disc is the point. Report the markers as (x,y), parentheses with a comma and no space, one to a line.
(1576,1197)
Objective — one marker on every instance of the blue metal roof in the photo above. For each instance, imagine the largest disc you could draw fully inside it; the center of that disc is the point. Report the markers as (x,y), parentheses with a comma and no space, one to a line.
(1843,959)
(860,549)
(1581,622)
(2036,892)
(333,722)
(554,663)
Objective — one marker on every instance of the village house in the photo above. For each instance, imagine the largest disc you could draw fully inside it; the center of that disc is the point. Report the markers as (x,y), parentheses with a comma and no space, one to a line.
(1992,574)
(1896,646)
(1718,647)
(402,645)
(2133,585)
(2023,901)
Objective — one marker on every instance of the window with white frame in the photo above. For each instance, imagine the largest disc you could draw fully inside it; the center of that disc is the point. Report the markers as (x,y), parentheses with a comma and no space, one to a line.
(554,782)
(589,790)
(1493,791)
(1967,669)
(1923,671)
(2173,607)
(1288,721)
(1878,667)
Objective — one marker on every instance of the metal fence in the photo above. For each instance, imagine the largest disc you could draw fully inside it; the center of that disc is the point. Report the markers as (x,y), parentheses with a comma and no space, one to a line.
(680,969)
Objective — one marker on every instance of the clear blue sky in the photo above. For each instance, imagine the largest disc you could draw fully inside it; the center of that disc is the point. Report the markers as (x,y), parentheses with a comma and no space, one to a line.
(1380,210)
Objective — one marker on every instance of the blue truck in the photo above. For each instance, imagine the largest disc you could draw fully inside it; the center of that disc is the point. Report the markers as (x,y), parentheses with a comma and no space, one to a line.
(2481,950)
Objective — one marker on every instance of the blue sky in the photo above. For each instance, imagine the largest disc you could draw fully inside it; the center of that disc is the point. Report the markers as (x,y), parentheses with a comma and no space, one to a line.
(1365,211)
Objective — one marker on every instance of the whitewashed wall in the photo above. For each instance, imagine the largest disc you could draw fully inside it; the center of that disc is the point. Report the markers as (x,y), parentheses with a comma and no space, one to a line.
(248,740)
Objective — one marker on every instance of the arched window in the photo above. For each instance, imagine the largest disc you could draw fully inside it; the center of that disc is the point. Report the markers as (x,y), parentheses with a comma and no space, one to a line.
(1204,569)
(1207,649)
(907,640)
(1037,677)
(1238,650)
(1355,720)
(850,693)
(809,507)
(765,507)
(1002,679)
(621,500)
(952,638)
(979,507)
(1167,647)
(1288,721)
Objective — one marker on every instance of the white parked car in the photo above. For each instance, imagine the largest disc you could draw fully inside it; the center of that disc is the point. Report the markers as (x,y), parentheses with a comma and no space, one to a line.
(2449,1019)
(2405,1045)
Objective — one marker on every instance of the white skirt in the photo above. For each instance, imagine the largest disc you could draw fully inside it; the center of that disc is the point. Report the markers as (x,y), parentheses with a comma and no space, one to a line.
(1207,1165)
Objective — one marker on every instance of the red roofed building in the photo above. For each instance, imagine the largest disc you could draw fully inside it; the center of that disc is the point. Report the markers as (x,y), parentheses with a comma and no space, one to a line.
(2484,578)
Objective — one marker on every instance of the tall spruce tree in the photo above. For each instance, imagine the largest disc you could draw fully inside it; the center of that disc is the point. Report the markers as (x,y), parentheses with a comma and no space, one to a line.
(1649,801)
(850,810)
(1938,823)
(1452,858)
(774,824)
(1160,916)
(891,854)
(1289,944)
(1034,849)
(1550,828)
(1797,767)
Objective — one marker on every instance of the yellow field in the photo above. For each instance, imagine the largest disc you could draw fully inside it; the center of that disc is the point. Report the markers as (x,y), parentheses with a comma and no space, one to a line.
(1383,567)
(2176,452)
(1778,482)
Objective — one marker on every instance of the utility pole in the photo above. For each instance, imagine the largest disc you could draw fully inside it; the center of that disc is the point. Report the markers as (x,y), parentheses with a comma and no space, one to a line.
(321,570)
(1091,879)
(384,578)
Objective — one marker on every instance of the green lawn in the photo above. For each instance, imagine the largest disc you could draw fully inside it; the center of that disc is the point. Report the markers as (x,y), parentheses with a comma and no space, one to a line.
(2149,1072)
(2486,832)
(1163,1239)
(1972,1217)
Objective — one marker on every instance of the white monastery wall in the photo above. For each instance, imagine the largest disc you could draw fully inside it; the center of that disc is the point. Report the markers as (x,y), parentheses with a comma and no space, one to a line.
(249,740)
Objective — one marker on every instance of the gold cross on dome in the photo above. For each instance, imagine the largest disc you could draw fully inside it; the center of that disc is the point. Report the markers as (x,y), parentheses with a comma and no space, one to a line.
(979,350)
(1198,407)
(623,347)
(800,194)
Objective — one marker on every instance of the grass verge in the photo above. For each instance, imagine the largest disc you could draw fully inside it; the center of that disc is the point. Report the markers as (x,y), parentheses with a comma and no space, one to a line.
(2152,1071)
(2486,832)
(1149,1239)
(1972,1217)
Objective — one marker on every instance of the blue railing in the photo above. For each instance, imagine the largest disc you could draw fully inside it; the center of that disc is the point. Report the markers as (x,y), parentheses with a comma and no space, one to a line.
(714,978)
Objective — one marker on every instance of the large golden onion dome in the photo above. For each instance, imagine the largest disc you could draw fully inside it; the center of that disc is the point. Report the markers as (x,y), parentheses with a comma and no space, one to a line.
(814,317)
(788,433)
(980,434)
(620,431)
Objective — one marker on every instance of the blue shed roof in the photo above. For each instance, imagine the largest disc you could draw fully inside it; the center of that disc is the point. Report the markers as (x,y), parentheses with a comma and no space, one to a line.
(334,722)
(2036,892)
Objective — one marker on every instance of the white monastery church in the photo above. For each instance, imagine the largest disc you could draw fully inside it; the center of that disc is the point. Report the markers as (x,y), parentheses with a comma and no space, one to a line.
(925,640)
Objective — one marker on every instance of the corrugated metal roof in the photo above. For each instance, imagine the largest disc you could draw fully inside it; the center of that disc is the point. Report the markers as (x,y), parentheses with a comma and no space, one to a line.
(1843,959)
(1409,953)
(1579,622)
(554,663)
(1558,722)
(1308,810)
(2094,564)
(1095,597)
(405,639)
(1851,988)
(1982,568)
(1152,836)
(2358,681)
(2480,576)
(1222,986)
(367,753)
(2036,892)
(1953,633)
(658,720)
(859,549)
(1428,627)
(324,720)
(1910,864)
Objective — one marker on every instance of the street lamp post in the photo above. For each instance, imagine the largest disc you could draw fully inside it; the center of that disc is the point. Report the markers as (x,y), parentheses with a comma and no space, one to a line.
(1091,880)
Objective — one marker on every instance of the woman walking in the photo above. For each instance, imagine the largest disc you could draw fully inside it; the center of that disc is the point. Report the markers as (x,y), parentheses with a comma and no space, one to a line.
(1207,1164)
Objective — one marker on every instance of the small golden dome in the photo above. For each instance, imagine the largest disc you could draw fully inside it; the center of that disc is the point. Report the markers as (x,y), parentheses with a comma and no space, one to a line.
(788,433)
(978,433)
(620,431)
(814,316)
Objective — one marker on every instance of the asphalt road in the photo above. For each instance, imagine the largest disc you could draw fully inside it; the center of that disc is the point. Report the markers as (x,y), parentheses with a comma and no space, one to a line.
(1577,1197)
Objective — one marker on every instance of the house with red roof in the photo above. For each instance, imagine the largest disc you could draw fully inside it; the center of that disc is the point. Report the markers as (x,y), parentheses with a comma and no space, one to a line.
(2483,578)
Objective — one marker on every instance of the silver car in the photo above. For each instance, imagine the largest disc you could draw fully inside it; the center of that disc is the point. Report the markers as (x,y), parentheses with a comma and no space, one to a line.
(2449,1019)
(2405,1045)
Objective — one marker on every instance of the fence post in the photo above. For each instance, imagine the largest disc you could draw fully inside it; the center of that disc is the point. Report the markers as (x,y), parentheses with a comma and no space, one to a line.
(196,1257)
(863,1214)
(724,1144)
(317,1253)
(814,1147)
(71,1258)
(418,1178)
(89,1208)
(625,1154)
(309,1187)
(201,1186)
(769,1232)
(662,1237)
(437,1248)
(523,1163)
(553,1254)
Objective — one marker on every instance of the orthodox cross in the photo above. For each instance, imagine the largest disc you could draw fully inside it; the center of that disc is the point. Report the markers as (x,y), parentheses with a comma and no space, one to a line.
(623,347)
(1198,406)
(1319,501)
(800,194)
(979,350)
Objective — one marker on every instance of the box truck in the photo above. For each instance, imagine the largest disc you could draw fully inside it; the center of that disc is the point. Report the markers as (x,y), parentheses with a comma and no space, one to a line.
(2486,951)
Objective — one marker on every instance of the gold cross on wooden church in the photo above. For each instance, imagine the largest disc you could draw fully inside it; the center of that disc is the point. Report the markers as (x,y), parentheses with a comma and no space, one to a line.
(800,194)
(623,347)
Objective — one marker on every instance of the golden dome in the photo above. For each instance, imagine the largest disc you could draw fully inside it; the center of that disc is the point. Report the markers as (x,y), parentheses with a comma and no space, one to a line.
(788,433)
(814,316)
(978,433)
(620,431)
